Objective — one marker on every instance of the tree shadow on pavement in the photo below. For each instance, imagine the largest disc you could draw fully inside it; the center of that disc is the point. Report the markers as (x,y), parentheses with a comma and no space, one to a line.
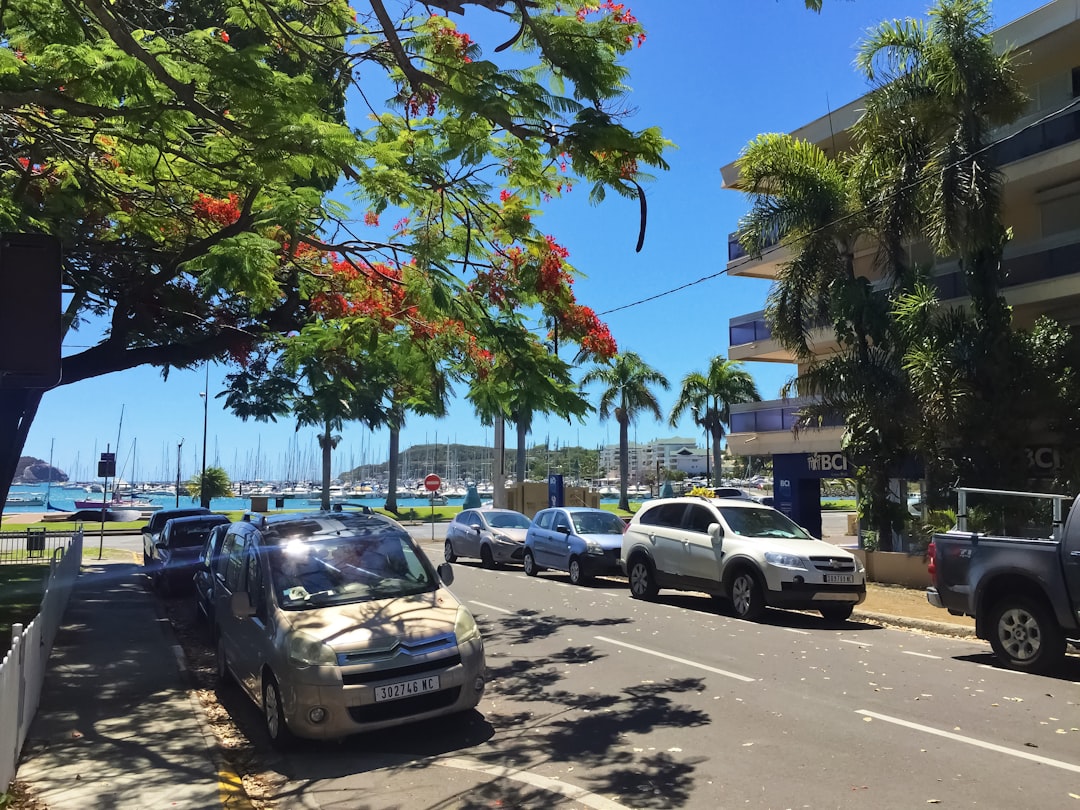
(539,725)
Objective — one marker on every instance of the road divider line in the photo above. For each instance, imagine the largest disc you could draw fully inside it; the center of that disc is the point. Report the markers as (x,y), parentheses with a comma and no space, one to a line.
(1001,749)
(854,641)
(921,655)
(797,632)
(572,792)
(490,607)
(677,660)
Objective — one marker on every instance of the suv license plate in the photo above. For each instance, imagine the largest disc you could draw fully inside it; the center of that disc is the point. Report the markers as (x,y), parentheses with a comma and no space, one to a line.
(404,689)
(841,579)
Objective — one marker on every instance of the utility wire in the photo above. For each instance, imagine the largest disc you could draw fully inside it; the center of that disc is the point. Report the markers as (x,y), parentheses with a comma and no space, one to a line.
(917,181)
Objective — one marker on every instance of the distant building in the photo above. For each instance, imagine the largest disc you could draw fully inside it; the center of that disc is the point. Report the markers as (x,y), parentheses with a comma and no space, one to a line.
(677,453)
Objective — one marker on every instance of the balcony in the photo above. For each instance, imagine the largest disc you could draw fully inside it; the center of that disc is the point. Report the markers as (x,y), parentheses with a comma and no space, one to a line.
(764,428)
(773,415)
(1048,135)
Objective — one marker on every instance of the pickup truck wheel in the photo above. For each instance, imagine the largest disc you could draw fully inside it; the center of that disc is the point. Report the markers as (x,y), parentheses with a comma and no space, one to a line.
(1025,635)
(836,613)
(642,579)
(746,596)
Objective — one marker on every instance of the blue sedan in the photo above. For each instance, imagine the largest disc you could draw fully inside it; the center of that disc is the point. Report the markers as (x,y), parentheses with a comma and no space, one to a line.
(582,541)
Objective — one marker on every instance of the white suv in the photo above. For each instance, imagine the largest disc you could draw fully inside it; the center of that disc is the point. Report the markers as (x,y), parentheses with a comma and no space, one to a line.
(751,554)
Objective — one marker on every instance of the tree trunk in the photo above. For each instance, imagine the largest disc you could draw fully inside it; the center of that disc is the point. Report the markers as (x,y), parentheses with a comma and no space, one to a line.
(524,423)
(392,471)
(717,437)
(18,407)
(624,461)
(327,449)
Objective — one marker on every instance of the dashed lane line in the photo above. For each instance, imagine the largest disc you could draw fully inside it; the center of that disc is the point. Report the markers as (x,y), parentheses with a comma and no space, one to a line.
(676,659)
(949,735)
(572,792)
(921,655)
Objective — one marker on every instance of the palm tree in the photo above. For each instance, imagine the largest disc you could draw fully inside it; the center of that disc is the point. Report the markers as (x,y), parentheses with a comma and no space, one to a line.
(627,382)
(709,398)
(942,87)
(214,483)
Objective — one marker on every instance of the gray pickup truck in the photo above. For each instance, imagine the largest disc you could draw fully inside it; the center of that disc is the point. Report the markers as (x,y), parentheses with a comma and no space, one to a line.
(1024,592)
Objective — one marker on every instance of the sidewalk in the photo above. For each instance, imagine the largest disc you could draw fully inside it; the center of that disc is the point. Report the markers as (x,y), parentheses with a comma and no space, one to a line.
(117,726)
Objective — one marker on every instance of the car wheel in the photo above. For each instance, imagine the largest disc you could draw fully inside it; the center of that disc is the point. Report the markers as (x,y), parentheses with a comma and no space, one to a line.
(487,559)
(274,715)
(836,613)
(448,551)
(642,578)
(746,597)
(577,573)
(1025,635)
(221,666)
(529,564)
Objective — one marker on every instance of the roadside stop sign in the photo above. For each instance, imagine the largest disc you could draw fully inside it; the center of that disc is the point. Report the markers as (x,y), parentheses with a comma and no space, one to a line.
(432,483)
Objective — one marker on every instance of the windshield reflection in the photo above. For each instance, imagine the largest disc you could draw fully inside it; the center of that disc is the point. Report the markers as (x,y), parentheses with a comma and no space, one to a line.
(339,570)
(762,523)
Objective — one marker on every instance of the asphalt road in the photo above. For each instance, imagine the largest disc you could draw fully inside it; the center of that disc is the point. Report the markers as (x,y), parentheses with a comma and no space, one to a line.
(597,700)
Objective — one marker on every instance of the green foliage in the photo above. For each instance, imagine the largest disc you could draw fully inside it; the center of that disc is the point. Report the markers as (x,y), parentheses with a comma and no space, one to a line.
(214,483)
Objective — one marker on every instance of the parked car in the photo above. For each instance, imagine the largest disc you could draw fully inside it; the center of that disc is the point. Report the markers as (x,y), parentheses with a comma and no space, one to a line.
(733,492)
(494,535)
(335,623)
(209,572)
(582,541)
(175,555)
(152,530)
(752,555)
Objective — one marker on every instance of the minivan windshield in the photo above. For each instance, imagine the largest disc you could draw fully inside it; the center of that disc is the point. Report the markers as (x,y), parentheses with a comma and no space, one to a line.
(338,569)
(762,523)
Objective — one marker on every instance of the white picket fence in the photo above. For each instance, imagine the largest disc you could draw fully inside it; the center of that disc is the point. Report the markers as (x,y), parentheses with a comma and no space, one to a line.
(22,671)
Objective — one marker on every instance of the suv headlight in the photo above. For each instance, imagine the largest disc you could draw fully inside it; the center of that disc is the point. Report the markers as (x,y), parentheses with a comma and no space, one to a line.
(594,548)
(786,561)
(309,651)
(465,628)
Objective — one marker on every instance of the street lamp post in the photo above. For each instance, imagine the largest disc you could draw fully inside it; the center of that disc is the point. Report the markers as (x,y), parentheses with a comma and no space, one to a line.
(206,406)
(178,446)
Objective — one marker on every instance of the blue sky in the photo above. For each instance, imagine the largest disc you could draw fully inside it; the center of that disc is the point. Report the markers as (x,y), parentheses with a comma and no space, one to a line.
(712,75)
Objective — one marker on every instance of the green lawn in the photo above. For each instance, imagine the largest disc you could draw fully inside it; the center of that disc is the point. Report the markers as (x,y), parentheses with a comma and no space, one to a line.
(21,587)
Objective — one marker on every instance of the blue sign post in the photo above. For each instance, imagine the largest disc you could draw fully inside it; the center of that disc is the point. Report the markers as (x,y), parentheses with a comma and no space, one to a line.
(555,491)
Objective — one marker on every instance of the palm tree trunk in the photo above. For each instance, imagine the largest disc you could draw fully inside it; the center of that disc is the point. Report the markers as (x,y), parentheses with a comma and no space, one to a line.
(624,462)
(717,436)
(327,447)
(524,423)
(392,471)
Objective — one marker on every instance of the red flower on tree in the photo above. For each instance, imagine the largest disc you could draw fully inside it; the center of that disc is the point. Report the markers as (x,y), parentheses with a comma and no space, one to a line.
(222,212)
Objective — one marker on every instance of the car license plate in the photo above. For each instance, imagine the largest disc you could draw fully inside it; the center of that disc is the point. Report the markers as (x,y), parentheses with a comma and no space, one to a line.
(404,689)
(842,579)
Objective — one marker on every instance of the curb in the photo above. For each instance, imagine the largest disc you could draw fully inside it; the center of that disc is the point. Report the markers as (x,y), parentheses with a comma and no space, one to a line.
(925,625)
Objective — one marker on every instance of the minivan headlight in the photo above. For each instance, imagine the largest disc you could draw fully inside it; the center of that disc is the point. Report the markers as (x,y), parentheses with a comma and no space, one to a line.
(786,560)
(309,651)
(465,628)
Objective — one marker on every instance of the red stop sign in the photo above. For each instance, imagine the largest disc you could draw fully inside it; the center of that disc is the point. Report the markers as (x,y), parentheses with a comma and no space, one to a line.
(432,483)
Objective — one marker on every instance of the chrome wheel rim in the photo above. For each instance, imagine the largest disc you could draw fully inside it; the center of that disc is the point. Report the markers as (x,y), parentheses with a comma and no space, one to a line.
(1019,634)
(527,563)
(273,713)
(741,593)
(575,571)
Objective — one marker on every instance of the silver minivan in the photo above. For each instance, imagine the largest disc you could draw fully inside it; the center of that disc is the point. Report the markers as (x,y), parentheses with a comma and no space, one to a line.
(336,623)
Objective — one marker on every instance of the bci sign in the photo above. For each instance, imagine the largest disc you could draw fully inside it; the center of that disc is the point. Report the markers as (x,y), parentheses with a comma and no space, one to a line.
(827,463)
(1043,458)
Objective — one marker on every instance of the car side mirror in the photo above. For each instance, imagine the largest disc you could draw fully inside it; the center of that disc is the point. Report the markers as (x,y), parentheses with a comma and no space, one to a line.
(240,605)
(475,527)
(446,573)
(563,530)
(716,534)
(160,545)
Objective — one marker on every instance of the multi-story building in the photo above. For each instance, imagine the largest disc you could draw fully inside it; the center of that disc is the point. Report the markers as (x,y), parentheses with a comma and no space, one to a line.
(1040,156)
(677,453)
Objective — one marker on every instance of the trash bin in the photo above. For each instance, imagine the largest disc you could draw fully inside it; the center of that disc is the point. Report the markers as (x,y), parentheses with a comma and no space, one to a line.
(35,542)
(279,503)
(259,503)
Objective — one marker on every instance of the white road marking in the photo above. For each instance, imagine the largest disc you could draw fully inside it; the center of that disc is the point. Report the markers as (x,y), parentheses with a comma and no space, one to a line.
(1002,669)
(1001,749)
(677,660)
(573,792)
(853,641)
(799,632)
(490,607)
(921,655)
